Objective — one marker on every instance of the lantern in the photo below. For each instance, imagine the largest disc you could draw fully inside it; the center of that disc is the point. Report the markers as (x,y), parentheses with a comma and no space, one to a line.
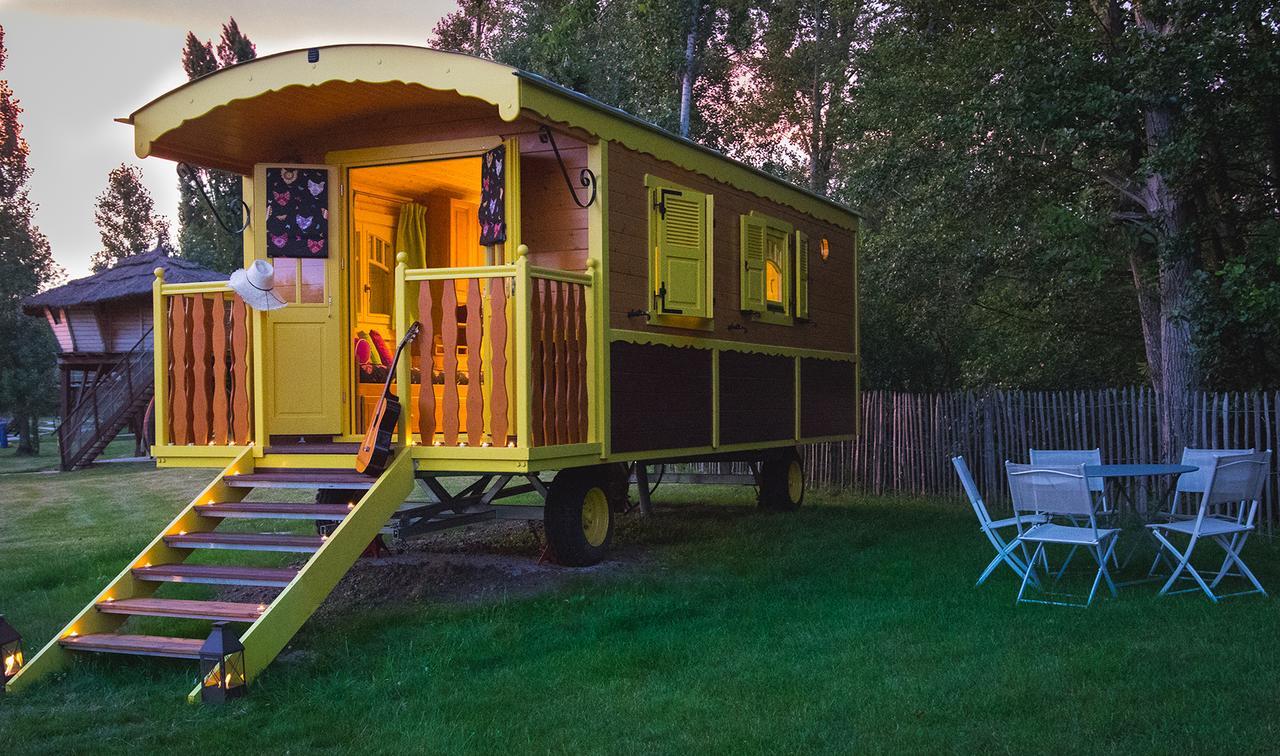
(222,666)
(10,651)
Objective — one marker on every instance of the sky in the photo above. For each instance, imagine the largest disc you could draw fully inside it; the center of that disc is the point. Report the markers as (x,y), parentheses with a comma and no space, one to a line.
(75,65)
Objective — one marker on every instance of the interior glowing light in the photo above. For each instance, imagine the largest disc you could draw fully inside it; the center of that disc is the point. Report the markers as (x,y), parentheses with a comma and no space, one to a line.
(72,634)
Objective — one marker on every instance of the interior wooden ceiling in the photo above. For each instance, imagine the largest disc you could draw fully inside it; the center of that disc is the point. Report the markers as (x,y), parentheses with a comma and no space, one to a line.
(458,177)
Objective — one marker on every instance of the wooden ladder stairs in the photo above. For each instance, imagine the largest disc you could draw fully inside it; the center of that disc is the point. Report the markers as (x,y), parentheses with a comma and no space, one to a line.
(272,624)
(106,407)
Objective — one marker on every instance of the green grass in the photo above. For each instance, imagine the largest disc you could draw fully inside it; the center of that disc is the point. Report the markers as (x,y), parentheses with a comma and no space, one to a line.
(850,626)
(47,459)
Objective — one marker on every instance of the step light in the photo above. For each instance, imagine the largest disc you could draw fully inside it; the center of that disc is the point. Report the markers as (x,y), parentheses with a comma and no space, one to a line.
(222,676)
(10,651)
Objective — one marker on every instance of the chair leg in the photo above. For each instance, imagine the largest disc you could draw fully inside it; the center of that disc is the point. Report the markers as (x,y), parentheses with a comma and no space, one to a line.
(1234,556)
(1039,552)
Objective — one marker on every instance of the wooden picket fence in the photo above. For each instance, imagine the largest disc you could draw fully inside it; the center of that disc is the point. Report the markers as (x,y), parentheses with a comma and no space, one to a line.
(907,440)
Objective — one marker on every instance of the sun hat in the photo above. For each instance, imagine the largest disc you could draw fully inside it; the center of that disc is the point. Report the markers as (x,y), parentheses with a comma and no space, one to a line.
(256,286)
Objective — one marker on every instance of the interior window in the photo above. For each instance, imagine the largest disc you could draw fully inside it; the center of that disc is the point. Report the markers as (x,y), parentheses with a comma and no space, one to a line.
(773,282)
(378,279)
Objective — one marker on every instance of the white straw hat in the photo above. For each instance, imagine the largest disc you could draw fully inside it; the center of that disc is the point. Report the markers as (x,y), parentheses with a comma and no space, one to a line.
(256,286)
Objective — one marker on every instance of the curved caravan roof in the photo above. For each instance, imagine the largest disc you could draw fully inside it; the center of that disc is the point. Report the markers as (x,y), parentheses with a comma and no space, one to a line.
(270,109)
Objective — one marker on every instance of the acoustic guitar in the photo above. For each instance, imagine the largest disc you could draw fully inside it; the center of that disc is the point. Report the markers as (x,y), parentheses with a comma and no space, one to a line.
(375,449)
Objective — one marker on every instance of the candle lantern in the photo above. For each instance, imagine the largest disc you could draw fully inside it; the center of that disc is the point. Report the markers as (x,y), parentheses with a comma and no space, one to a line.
(222,666)
(11,657)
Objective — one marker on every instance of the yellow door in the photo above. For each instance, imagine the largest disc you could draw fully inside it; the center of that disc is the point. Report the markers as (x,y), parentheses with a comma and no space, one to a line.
(303,345)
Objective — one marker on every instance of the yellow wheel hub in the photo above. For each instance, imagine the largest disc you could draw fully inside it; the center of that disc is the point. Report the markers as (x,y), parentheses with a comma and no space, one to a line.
(795,481)
(595,516)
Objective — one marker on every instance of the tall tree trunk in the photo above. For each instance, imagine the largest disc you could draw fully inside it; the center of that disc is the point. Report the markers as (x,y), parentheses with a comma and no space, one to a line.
(689,73)
(1148,314)
(28,435)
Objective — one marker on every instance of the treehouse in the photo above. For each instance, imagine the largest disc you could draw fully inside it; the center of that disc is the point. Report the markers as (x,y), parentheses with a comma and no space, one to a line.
(592,293)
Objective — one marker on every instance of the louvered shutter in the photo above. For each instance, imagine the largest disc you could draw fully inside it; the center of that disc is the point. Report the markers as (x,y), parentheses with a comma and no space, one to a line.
(802,275)
(752,236)
(682,252)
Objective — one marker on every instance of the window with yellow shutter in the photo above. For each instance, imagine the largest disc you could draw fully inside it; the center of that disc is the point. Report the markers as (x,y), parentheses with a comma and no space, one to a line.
(680,224)
(774,284)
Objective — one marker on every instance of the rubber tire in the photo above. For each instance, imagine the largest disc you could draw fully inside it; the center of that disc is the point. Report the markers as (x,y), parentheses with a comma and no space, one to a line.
(562,516)
(619,486)
(775,491)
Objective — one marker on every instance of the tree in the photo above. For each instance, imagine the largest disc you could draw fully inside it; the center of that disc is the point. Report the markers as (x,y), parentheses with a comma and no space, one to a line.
(201,238)
(27,383)
(474,28)
(127,219)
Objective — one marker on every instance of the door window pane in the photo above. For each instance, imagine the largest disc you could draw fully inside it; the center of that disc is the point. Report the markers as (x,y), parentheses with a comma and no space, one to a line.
(286,280)
(311,282)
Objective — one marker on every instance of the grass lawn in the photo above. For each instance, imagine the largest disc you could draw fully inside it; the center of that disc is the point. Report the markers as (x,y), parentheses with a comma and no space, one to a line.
(47,459)
(852,625)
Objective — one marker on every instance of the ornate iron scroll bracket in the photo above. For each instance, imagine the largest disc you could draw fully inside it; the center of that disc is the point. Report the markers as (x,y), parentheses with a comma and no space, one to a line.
(189,174)
(585,176)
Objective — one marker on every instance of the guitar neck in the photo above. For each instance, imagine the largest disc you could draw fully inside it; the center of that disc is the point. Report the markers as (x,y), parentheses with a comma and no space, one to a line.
(391,370)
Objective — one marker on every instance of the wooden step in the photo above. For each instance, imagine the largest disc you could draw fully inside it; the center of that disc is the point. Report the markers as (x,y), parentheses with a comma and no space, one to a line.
(225,611)
(316,447)
(267,510)
(246,542)
(300,478)
(139,645)
(265,577)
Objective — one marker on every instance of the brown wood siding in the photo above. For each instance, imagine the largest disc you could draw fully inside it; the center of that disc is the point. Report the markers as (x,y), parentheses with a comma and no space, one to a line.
(61,329)
(757,398)
(828,404)
(83,322)
(554,228)
(661,397)
(831,285)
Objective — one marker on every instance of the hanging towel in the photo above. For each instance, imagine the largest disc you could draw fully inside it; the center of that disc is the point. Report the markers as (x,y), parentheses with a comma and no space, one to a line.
(411,234)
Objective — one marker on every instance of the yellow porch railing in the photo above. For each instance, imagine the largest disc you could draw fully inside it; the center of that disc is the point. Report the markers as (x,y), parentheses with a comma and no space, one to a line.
(506,356)
(203,384)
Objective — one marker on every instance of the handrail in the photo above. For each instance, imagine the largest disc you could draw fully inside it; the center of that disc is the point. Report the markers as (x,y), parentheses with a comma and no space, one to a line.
(106,388)
(196,287)
(537,357)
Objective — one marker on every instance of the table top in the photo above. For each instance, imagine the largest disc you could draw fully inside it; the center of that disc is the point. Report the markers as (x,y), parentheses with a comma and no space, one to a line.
(1136,471)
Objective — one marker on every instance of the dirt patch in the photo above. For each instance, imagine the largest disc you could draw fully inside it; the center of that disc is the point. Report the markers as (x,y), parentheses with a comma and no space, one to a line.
(470,565)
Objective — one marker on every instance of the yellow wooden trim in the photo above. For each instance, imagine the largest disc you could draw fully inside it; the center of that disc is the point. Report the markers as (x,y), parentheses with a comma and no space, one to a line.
(564,450)
(564,276)
(53,657)
(434,69)
(160,352)
(698,342)
(196,287)
(193,463)
(258,370)
(597,244)
(286,613)
(524,347)
(512,194)
(715,398)
(209,451)
(412,153)
(307,461)
(467,453)
(693,451)
(553,103)
(449,274)
(404,368)
(857,341)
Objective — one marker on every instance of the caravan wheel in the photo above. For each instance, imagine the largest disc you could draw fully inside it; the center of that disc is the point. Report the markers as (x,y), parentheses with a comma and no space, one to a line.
(577,517)
(782,482)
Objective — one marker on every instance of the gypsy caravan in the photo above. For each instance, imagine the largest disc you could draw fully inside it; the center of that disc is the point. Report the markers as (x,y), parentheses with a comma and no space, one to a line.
(591,292)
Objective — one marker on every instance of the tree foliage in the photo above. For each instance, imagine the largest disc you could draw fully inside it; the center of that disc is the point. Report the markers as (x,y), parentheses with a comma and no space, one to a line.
(27,350)
(128,223)
(200,237)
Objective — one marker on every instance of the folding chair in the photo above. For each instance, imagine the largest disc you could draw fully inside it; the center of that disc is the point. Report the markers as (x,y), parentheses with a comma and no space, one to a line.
(1195,483)
(1070,458)
(1061,492)
(1225,516)
(991,528)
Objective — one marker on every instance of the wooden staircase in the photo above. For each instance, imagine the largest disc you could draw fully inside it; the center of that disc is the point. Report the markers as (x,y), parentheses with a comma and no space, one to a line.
(103,411)
(99,627)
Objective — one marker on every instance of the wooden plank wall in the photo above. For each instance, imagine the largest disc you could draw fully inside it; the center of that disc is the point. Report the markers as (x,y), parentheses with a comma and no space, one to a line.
(908,439)
(831,285)
(209,391)
(554,228)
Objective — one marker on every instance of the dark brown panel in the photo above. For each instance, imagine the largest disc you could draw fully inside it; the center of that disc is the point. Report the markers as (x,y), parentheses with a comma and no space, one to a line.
(660,397)
(828,403)
(757,398)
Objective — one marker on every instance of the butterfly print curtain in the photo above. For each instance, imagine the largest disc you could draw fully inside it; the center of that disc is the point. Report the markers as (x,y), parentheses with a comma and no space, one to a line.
(493,179)
(297,212)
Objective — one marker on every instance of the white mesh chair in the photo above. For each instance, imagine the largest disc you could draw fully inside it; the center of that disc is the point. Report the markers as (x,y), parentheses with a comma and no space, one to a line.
(1225,516)
(1191,486)
(1071,458)
(1005,548)
(1059,492)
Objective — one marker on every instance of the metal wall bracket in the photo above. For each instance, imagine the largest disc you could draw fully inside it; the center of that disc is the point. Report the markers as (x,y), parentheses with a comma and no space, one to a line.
(586,176)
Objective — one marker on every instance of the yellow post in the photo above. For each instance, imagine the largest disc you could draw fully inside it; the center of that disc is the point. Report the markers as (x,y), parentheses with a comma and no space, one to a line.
(593,353)
(404,368)
(160,350)
(524,348)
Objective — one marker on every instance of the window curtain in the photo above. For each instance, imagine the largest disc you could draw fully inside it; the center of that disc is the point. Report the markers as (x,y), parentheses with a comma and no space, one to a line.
(411,234)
